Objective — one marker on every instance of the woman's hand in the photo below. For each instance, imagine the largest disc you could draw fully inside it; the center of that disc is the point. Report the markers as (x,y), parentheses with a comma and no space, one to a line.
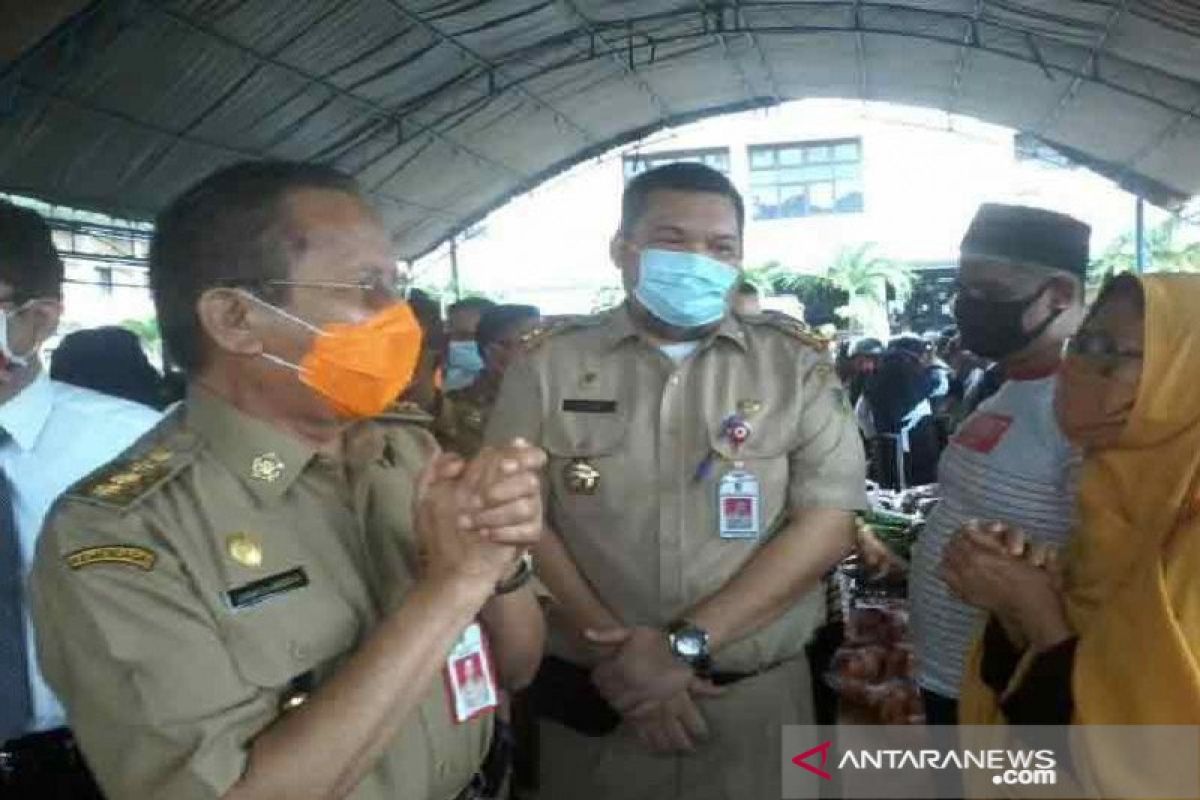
(982,567)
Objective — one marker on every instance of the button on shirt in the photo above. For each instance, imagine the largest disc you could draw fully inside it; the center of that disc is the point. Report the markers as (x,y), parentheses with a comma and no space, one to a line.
(57,434)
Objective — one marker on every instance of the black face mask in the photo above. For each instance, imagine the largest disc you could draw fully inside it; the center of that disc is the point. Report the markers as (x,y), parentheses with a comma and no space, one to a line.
(993,328)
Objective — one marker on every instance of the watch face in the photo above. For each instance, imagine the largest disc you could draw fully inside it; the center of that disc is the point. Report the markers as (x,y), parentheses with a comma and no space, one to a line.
(689,644)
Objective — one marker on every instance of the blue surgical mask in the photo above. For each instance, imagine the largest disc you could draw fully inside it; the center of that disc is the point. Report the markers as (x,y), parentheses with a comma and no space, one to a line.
(686,290)
(463,364)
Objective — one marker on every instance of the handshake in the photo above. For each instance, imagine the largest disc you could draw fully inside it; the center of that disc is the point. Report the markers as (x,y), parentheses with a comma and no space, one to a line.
(476,520)
(996,567)
(1002,539)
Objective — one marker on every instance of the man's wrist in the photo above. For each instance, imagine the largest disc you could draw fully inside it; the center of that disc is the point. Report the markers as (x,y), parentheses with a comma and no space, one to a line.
(460,586)
(1048,630)
(690,645)
(1043,621)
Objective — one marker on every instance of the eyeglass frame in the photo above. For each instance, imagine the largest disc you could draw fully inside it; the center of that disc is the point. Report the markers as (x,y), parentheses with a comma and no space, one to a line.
(19,301)
(1109,359)
(399,292)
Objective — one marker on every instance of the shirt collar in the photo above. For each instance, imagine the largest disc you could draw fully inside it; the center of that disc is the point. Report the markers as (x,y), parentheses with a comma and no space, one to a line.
(25,415)
(266,458)
(1039,374)
(621,327)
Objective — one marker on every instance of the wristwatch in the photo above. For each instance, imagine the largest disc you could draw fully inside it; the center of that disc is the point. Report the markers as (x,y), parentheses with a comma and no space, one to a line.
(689,643)
(519,578)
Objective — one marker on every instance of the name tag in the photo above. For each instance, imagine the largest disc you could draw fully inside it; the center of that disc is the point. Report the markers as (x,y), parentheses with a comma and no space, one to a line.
(738,506)
(251,594)
(470,679)
(589,406)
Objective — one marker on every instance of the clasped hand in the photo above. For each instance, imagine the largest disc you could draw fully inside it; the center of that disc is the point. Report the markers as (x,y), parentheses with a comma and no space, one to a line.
(653,690)
(474,520)
(997,568)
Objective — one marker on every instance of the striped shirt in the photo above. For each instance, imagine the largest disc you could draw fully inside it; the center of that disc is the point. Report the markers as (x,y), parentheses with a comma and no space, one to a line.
(1009,461)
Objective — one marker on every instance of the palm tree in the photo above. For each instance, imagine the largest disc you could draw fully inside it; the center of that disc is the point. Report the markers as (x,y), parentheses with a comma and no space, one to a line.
(866,278)
(857,270)
(606,298)
(772,277)
(1165,252)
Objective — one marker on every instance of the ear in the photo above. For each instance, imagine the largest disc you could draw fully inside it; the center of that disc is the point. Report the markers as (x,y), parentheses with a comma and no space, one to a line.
(617,251)
(228,319)
(625,257)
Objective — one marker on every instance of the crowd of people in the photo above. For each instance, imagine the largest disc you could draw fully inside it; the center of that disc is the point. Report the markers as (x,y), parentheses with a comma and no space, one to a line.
(352,548)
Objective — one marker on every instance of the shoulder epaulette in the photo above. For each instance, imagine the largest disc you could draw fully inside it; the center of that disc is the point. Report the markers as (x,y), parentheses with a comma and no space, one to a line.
(792,327)
(126,480)
(408,412)
(554,326)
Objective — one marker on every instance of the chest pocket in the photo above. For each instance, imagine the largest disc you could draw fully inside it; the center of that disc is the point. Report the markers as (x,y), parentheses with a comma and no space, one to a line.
(289,633)
(586,443)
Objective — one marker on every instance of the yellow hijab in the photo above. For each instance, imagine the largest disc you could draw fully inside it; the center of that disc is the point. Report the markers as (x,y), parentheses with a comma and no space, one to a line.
(1133,567)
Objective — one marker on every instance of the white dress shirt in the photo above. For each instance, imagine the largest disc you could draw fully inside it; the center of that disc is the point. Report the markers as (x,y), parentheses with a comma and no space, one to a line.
(58,434)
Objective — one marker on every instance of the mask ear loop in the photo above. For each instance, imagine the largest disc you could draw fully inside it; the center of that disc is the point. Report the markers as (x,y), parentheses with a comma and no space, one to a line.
(274,359)
(282,362)
(285,314)
(1050,320)
(5,351)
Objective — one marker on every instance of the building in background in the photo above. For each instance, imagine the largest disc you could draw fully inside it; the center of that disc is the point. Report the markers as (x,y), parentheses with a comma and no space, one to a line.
(819,176)
(105,272)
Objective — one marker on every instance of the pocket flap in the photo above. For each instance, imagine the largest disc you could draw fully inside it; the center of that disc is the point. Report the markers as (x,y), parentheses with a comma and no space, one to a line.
(278,639)
(581,435)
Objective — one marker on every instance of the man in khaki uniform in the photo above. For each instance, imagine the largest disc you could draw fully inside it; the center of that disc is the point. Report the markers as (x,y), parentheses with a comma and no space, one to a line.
(499,336)
(270,595)
(704,470)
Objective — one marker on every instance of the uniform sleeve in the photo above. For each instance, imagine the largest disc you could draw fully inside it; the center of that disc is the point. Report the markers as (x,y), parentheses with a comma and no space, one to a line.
(827,467)
(149,687)
(518,409)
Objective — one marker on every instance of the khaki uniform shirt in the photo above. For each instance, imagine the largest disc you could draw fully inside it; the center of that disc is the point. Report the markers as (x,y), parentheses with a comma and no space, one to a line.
(626,429)
(180,592)
(464,415)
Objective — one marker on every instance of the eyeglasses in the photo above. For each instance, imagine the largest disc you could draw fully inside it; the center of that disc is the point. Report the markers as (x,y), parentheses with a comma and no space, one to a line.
(1101,348)
(378,290)
(15,302)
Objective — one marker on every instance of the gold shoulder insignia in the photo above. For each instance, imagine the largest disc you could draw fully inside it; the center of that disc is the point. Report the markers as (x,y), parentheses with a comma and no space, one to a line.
(406,411)
(123,482)
(793,328)
(133,556)
(554,326)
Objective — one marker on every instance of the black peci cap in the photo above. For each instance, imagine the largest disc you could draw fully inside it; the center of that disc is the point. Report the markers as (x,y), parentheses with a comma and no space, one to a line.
(1032,236)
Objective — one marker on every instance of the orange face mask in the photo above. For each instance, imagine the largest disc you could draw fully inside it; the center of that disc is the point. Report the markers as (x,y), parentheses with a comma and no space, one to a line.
(360,369)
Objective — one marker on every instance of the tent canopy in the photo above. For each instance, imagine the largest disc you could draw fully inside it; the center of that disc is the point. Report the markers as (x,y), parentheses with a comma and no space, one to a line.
(444,109)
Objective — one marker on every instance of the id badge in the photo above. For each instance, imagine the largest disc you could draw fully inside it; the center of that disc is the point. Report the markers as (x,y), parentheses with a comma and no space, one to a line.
(738,501)
(469,676)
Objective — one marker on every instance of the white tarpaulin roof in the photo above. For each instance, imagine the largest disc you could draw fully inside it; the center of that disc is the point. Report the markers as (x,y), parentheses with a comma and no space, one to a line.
(446,108)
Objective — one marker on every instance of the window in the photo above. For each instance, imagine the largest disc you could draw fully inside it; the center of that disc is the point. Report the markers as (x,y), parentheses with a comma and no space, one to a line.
(1027,147)
(806,179)
(104,279)
(717,158)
